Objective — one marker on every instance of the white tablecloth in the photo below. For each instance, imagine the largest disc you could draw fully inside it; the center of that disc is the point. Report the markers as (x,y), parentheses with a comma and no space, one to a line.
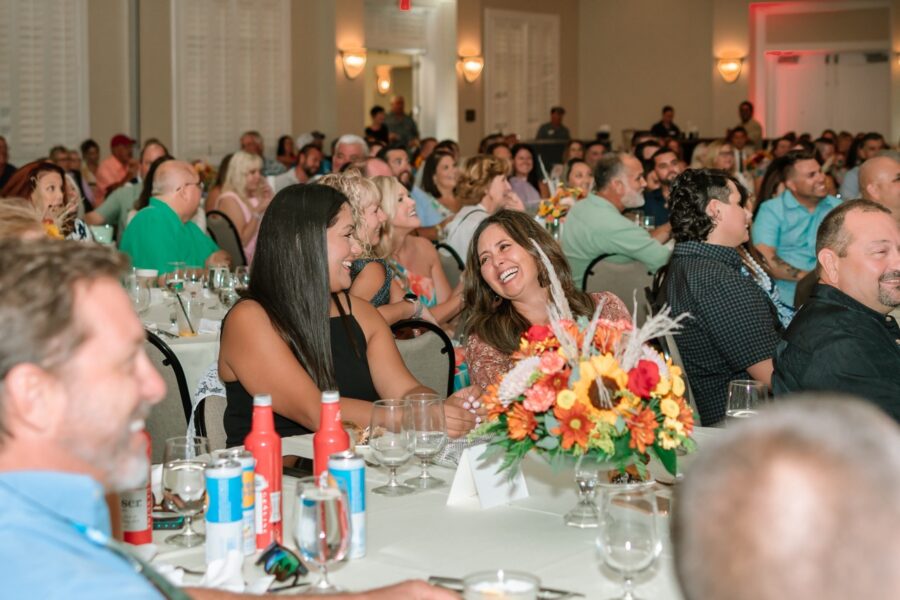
(195,353)
(417,536)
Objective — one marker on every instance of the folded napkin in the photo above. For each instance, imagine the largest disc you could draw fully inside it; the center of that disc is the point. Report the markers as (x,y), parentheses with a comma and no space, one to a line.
(209,326)
(226,574)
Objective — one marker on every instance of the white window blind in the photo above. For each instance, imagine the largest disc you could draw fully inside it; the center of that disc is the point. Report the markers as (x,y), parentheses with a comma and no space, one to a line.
(43,78)
(231,74)
(521,73)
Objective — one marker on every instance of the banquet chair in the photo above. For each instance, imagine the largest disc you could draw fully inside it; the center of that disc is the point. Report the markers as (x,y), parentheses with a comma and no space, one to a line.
(209,419)
(168,418)
(225,234)
(625,280)
(429,356)
(451,262)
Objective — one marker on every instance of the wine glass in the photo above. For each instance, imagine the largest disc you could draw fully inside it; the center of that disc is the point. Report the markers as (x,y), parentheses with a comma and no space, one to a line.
(745,398)
(184,485)
(174,277)
(589,472)
(193,280)
(392,440)
(629,539)
(321,527)
(430,428)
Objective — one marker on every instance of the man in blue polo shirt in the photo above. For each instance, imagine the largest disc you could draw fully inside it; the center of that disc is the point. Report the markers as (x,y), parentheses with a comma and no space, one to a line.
(784,230)
(75,389)
(163,233)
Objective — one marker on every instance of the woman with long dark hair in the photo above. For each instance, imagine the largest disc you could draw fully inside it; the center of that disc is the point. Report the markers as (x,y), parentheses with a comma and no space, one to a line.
(297,332)
(526,177)
(507,291)
(43,183)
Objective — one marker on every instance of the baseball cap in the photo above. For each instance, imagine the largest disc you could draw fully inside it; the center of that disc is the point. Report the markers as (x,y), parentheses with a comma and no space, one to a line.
(120,139)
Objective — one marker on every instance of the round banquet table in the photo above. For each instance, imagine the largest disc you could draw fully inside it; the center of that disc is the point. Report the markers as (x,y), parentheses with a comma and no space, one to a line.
(418,536)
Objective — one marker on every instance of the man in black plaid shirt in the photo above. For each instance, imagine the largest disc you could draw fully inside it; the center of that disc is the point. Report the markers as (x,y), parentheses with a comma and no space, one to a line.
(734,326)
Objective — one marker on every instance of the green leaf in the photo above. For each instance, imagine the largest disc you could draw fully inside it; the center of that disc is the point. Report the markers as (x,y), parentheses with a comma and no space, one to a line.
(550,421)
(668,458)
(548,443)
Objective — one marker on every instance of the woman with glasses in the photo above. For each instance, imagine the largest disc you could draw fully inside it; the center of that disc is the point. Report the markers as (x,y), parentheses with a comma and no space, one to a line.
(245,197)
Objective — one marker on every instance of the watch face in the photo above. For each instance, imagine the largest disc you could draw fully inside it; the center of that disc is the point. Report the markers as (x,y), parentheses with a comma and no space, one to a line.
(411,297)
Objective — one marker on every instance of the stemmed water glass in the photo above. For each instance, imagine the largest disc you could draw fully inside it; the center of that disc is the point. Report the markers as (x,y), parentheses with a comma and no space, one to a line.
(628,540)
(430,427)
(392,440)
(184,484)
(321,527)
(241,277)
(745,398)
(589,472)
(139,294)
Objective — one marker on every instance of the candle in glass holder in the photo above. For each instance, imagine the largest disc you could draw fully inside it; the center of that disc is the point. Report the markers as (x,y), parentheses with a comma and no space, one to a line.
(501,585)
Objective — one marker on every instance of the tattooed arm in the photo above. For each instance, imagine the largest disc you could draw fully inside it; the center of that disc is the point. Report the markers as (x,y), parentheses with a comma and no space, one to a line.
(778,267)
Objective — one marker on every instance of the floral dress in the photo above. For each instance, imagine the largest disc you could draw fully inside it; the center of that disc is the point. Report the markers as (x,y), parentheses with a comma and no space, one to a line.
(487,364)
(413,283)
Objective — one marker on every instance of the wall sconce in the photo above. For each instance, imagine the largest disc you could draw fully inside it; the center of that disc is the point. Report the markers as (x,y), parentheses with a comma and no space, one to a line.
(729,68)
(353,61)
(383,79)
(471,67)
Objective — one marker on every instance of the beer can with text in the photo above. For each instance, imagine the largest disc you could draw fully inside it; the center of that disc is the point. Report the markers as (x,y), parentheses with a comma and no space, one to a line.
(349,470)
(224,514)
(248,494)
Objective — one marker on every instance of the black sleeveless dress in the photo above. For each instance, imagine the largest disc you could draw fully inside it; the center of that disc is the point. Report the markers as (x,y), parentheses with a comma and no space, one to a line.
(351,369)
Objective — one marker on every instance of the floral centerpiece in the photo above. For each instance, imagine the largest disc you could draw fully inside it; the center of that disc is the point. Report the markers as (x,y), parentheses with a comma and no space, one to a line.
(590,387)
(206,172)
(556,206)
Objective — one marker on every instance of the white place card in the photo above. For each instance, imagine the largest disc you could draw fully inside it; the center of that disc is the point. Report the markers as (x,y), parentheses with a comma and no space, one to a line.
(477,482)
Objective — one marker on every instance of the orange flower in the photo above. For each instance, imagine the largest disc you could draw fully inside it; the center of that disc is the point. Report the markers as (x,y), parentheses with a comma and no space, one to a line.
(574,425)
(557,381)
(642,427)
(492,403)
(686,416)
(521,423)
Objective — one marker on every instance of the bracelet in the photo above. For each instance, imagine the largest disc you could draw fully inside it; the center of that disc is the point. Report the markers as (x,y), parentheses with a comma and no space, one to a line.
(419,308)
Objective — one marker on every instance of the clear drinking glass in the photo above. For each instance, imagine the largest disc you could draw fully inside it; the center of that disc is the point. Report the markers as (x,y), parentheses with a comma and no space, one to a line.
(392,441)
(321,527)
(139,294)
(241,277)
(628,540)
(745,398)
(193,280)
(589,473)
(184,485)
(174,278)
(430,426)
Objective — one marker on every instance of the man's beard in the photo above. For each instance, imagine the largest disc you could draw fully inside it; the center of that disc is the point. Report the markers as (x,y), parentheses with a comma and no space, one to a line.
(889,294)
(633,199)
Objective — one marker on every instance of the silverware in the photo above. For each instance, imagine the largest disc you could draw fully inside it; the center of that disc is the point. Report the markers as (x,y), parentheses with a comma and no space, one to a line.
(544,593)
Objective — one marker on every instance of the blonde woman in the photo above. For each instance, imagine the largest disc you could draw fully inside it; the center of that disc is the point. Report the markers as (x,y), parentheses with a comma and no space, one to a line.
(720,155)
(20,220)
(245,197)
(414,260)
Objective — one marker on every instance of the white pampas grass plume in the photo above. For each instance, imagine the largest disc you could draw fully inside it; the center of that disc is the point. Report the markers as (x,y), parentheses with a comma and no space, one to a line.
(516,381)
(656,326)
(558,309)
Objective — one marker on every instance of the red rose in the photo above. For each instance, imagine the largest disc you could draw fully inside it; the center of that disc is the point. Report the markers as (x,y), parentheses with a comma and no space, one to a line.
(643,378)
(538,333)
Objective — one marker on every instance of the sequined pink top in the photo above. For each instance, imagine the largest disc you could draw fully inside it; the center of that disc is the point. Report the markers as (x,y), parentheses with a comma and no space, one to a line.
(487,364)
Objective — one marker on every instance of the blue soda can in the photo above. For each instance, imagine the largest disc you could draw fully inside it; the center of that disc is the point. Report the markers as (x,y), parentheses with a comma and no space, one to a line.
(248,494)
(224,517)
(349,470)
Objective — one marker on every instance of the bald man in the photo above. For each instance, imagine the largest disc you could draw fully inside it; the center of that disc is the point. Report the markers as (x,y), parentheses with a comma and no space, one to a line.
(879,181)
(162,233)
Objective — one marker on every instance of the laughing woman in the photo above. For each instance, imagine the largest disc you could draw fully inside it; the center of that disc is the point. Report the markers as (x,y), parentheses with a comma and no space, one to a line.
(508,291)
(297,331)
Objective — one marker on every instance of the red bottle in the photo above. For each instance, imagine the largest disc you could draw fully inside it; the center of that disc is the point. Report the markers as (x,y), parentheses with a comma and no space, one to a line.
(137,509)
(264,443)
(330,438)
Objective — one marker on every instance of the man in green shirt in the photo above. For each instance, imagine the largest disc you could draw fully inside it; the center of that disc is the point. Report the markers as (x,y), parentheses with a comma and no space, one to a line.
(595,225)
(114,210)
(163,233)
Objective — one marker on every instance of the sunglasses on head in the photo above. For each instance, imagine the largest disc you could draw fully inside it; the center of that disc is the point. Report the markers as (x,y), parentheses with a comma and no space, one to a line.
(283,564)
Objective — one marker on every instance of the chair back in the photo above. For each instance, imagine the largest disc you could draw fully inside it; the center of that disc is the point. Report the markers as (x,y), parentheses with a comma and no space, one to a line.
(625,280)
(451,262)
(671,349)
(168,418)
(225,234)
(209,418)
(429,356)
